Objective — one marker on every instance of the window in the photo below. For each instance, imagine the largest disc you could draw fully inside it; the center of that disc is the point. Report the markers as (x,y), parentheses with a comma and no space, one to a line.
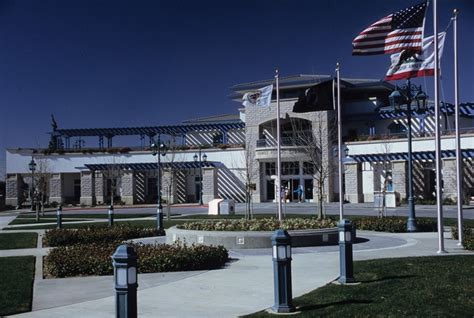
(308,168)
(396,128)
(290,168)
(270,168)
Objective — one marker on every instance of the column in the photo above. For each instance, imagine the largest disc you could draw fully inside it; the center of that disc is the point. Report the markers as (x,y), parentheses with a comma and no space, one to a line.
(169,185)
(56,184)
(128,187)
(99,186)
(209,184)
(87,188)
(449,178)
(353,182)
(14,194)
(399,177)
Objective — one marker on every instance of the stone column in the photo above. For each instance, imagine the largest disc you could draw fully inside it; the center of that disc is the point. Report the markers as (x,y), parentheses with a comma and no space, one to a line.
(14,193)
(128,187)
(378,172)
(209,184)
(449,178)
(353,182)
(399,177)
(169,185)
(99,185)
(87,188)
(56,184)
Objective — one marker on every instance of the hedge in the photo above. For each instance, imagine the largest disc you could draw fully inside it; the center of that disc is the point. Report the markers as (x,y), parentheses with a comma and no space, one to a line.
(393,224)
(95,234)
(468,236)
(263,224)
(95,259)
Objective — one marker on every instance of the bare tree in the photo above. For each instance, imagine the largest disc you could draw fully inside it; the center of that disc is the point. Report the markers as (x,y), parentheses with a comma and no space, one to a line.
(42,177)
(113,172)
(386,167)
(315,142)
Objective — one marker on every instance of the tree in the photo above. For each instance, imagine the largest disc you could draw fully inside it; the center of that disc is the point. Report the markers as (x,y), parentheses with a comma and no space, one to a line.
(315,142)
(113,172)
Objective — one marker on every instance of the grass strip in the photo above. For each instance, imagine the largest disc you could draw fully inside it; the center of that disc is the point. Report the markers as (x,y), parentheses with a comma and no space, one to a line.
(10,241)
(142,223)
(436,286)
(16,284)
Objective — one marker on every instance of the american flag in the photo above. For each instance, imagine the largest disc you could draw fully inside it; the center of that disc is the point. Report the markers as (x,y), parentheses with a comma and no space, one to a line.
(402,30)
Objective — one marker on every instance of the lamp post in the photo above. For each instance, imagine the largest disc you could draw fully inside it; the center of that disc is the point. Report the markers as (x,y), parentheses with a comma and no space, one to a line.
(159,149)
(32,166)
(59,217)
(346,238)
(125,277)
(281,251)
(405,95)
(200,158)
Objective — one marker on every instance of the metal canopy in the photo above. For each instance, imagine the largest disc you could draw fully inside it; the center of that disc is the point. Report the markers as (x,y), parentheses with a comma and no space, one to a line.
(172,130)
(149,166)
(421,155)
(465,109)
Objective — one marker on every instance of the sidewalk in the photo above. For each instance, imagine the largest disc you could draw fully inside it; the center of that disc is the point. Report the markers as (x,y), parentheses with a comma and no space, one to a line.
(244,286)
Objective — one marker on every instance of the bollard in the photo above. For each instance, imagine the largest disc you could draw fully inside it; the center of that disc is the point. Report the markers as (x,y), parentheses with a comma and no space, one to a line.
(59,217)
(281,244)
(111,215)
(125,277)
(159,217)
(345,252)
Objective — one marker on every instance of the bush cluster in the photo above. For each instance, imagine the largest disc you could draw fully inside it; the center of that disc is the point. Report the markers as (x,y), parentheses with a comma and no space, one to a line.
(95,259)
(468,236)
(96,234)
(263,224)
(393,224)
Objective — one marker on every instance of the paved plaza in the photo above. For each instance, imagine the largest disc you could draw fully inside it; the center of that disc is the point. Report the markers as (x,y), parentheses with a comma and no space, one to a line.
(244,286)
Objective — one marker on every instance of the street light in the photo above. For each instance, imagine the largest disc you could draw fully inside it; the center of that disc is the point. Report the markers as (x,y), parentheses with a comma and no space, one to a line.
(405,95)
(200,158)
(159,149)
(32,166)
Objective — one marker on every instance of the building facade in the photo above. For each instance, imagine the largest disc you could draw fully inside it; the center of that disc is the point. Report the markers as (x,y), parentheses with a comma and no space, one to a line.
(241,154)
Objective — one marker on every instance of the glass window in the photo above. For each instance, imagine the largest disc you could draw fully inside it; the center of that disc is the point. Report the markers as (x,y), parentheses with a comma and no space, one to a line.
(308,168)
(290,168)
(270,168)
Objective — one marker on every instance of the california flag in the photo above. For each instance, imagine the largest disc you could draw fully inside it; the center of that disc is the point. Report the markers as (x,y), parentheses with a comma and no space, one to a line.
(407,64)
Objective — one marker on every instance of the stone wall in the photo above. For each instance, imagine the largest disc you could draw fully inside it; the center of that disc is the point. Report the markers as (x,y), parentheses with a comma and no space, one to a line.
(128,187)
(399,178)
(99,187)
(13,190)
(353,182)
(209,184)
(87,188)
(449,179)
(56,188)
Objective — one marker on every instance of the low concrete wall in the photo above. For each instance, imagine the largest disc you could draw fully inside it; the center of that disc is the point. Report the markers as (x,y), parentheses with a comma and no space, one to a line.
(251,239)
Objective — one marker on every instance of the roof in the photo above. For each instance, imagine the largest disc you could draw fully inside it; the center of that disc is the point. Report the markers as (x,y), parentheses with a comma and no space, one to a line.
(214,119)
(149,165)
(420,155)
(173,130)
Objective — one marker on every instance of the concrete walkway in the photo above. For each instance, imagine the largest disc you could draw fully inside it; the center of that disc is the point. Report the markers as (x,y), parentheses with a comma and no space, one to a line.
(244,286)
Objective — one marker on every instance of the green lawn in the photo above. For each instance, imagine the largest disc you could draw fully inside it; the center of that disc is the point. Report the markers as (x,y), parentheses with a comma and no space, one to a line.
(19,220)
(16,284)
(437,286)
(90,216)
(17,240)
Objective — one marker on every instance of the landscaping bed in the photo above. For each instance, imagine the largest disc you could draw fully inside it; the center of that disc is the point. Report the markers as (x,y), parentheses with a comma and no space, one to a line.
(468,236)
(95,259)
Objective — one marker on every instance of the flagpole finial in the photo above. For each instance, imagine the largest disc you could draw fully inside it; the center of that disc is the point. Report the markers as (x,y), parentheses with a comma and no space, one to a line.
(338,66)
(276,72)
(456,12)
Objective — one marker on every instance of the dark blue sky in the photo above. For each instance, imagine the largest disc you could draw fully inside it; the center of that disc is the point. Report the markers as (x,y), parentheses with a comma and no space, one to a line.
(98,63)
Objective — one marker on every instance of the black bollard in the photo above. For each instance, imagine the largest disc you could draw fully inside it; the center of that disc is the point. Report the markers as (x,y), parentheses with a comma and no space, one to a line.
(345,252)
(59,217)
(125,277)
(281,244)
(111,215)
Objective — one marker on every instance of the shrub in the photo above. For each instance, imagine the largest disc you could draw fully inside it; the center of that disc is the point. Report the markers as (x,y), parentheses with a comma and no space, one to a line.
(95,259)
(264,224)
(96,234)
(468,236)
(393,224)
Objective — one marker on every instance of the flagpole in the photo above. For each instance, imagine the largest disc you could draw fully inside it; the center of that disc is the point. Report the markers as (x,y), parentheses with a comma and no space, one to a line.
(439,190)
(459,165)
(339,143)
(279,188)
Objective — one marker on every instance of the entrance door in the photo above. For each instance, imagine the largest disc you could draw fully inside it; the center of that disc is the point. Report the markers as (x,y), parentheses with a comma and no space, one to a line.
(270,190)
(308,189)
(294,186)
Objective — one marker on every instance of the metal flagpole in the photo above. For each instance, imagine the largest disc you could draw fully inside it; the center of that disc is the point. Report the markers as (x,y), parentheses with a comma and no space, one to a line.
(339,144)
(279,188)
(459,166)
(439,190)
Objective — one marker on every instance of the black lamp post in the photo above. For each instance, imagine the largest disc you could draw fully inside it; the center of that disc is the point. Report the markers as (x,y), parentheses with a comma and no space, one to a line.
(159,149)
(125,276)
(32,166)
(405,95)
(200,158)
(281,251)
